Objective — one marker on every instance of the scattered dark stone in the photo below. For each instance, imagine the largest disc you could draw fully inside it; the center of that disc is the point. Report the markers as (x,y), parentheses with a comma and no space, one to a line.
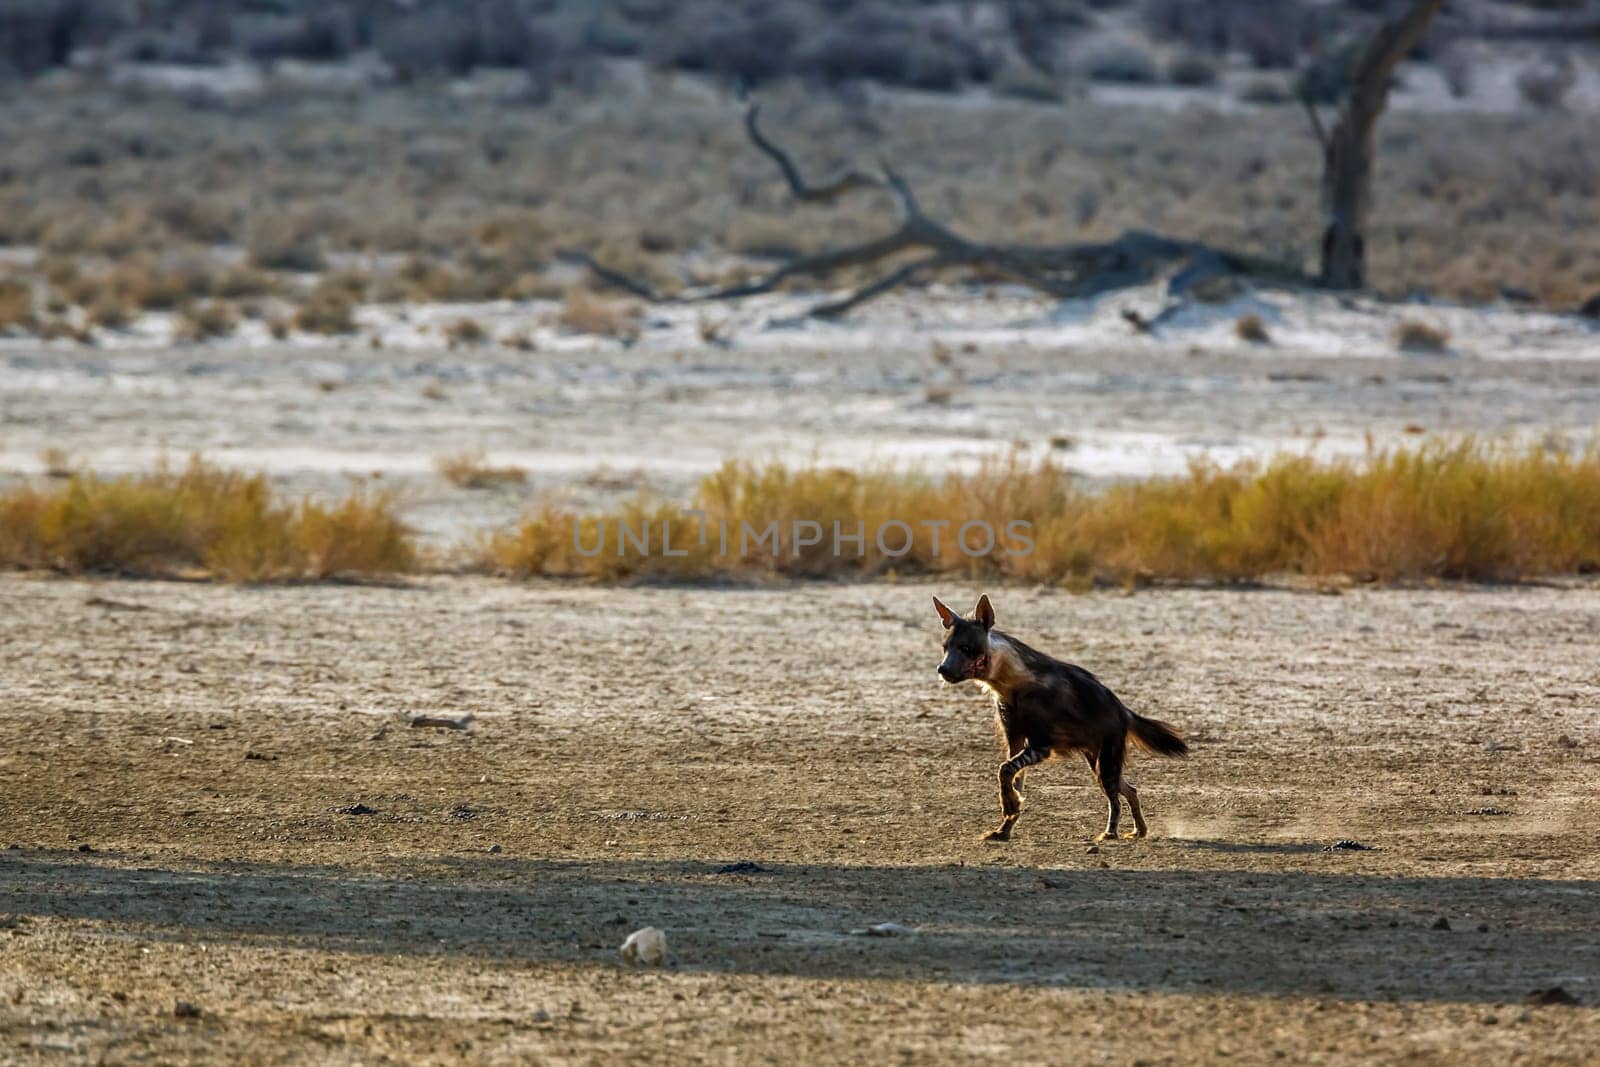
(1483,928)
(355,809)
(1092,850)
(217,726)
(462,811)
(1565,742)
(495,850)
(13,845)
(742,867)
(1441,923)
(252,754)
(85,848)
(1344,844)
(184,1010)
(1554,995)
(1590,308)
(113,605)
(1487,811)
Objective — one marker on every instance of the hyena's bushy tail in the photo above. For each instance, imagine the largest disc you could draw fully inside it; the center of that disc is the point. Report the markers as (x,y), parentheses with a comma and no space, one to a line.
(1155,736)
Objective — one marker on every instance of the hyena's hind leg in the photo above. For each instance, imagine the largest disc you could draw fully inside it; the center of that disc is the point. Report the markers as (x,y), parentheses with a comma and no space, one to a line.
(1010,799)
(1127,790)
(1132,795)
(1108,769)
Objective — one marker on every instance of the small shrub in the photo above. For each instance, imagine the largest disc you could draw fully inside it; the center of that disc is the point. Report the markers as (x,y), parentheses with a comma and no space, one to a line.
(1192,69)
(57,463)
(1119,61)
(465,331)
(1024,81)
(330,308)
(277,245)
(1251,328)
(16,306)
(1545,85)
(471,470)
(1265,91)
(206,321)
(1413,335)
(584,312)
(1457,65)
(110,311)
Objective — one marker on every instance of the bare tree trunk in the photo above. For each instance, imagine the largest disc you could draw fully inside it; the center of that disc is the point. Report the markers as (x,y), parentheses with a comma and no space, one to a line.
(1347,149)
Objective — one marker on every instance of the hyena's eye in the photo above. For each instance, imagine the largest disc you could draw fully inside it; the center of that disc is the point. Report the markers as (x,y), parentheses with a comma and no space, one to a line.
(969,650)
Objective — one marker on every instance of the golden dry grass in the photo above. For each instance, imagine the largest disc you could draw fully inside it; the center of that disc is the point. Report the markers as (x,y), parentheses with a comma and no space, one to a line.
(1462,510)
(202,521)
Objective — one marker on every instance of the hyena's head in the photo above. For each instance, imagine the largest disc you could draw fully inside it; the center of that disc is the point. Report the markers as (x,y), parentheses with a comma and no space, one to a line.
(966,641)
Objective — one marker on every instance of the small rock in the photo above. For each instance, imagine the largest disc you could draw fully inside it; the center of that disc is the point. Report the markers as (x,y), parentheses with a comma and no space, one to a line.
(495,850)
(1092,850)
(645,948)
(742,867)
(252,754)
(184,1010)
(355,809)
(1555,995)
(1487,811)
(1441,923)
(442,722)
(85,848)
(882,930)
(1565,742)
(1483,928)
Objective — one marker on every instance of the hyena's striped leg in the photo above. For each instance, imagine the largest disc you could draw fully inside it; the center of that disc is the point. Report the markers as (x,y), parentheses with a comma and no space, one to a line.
(1014,751)
(1010,802)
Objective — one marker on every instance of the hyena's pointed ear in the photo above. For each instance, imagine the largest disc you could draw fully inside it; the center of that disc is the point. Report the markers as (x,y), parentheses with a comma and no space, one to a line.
(946,616)
(983,614)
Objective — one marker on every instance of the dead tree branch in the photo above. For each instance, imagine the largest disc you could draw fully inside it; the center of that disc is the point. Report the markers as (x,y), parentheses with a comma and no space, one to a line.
(1063,271)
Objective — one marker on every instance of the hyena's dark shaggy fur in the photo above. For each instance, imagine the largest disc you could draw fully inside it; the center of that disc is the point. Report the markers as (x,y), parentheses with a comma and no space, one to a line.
(1045,708)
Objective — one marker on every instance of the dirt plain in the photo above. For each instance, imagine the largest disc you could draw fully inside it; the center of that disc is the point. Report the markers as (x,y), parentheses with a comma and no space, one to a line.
(210,796)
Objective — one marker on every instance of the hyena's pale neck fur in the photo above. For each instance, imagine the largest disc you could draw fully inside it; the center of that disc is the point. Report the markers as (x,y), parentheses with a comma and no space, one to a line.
(1006,672)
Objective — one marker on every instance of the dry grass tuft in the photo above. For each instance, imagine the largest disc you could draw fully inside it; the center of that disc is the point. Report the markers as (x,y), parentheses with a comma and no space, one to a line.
(199,521)
(465,331)
(1450,511)
(328,309)
(584,312)
(1251,328)
(16,306)
(471,470)
(1413,335)
(203,322)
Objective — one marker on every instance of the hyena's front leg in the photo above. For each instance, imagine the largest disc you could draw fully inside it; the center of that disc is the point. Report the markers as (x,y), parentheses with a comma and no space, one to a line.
(1010,801)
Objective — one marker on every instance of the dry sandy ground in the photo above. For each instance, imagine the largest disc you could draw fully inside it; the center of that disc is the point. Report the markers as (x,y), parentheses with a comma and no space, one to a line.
(179,765)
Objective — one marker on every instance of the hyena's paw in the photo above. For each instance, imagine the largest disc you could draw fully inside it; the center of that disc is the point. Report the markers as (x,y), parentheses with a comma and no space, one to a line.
(1105,835)
(1002,834)
(1132,834)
